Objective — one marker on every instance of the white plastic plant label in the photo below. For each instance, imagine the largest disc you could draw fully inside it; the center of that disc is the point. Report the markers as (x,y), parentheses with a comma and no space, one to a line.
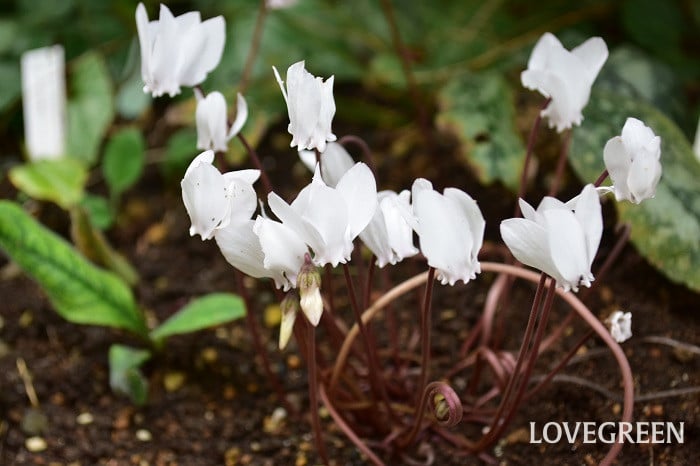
(44,102)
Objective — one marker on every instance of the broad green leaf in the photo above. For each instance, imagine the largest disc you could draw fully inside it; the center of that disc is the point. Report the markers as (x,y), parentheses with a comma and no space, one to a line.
(666,229)
(80,292)
(179,152)
(125,377)
(90,106)
(93,244)
(207,311)
(123,160)
(479,110)
(99,210)
(59,180)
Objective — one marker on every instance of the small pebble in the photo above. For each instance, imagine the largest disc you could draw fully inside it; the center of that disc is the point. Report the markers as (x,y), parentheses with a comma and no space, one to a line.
(144,435)
(293,361)
(272,316)
(84,419)
(209,355)
(35,444)
(173,381)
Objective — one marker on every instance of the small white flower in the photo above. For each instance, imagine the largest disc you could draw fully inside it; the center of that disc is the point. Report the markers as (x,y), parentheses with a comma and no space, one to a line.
(389,236)
(450,229)
(565,77)
(310,106)
(559,239)
(632,161)
(620,326)
(212,120)
(208,195)
(177,51)
(329,219)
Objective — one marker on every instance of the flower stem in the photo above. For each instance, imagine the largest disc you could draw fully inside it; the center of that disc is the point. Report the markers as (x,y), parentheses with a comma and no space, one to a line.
(528,156)
(254,47)
(601,178)
(257,162)
(313,391)
(425,331)
(561,164)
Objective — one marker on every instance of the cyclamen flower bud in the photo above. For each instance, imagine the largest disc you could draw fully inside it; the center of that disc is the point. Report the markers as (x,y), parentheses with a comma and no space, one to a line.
(289,308)
(309,283)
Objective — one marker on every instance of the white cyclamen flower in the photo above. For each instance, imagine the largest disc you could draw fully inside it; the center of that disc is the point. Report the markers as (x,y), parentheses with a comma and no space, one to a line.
(329,219)
(620,325)
(212,120)
(565,77)
(310,106)
(450,229)
(208,195)
(559,239)
(632,161)
(177,51)
(389,236)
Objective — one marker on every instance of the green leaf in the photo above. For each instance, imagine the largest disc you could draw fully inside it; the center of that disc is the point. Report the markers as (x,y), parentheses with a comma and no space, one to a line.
(207,311)
(125,377)
(123,160)
(11,87)
(59,180)
(179,152)
(99,210)
(479,110)
(80,292)
(90,107)
(666,229)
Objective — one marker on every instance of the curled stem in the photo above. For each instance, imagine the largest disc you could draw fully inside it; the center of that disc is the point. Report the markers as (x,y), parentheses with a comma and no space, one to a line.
(445,404)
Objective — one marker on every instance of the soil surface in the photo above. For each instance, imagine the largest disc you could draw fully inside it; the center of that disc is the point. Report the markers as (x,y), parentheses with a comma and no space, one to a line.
(211,404)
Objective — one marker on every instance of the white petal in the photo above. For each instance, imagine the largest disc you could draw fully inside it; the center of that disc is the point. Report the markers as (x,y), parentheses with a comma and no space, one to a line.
(359,191)
(567,247)
(617,162)
(308,158)
(283,249)
(471,211)
(335,162)
(644,175)
(241,116)
(589,215)
(293,219)
(528,242)
(636,135)
(144,41)
(241,247)
(204,196)
(211,122)
(593,54)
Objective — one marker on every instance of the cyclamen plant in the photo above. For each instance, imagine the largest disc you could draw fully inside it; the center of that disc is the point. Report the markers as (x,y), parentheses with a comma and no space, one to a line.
(368,389)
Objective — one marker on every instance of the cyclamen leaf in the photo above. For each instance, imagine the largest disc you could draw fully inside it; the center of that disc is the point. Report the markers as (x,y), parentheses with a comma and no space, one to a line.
(207,311)
(90,106)
(666,229)
(59,180)
(123,160)
(80,292)
(124,374)
(479,110)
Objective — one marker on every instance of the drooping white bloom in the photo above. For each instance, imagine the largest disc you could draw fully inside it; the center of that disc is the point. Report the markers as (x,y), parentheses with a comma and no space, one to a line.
(389,236)
(632,161)
(283,250)
(177,51)
(212,120)
(335,161)
(620,325)
(329,219)
(310,106)
(450,229)
(208,195)
(564,76)
(559,239)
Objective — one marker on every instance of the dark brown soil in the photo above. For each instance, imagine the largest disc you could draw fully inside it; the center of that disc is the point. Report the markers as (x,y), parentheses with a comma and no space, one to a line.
(222,412)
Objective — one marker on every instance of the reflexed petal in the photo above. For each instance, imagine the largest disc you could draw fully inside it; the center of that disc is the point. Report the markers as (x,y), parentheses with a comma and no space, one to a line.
(335,162)
(528,242)
(636,135)
(644,175)
(241,117)
(211,122)
(470,209)
(242,197)
(589,215)
(293,219)
(359,191)
(204,196)
(592,54)
(567,247)
(283,249)
(617,162)
(308,158)
(241,248)
(399,231)
(145,41)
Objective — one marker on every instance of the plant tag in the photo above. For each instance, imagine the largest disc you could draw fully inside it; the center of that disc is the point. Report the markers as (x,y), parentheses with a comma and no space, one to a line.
(44,102)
